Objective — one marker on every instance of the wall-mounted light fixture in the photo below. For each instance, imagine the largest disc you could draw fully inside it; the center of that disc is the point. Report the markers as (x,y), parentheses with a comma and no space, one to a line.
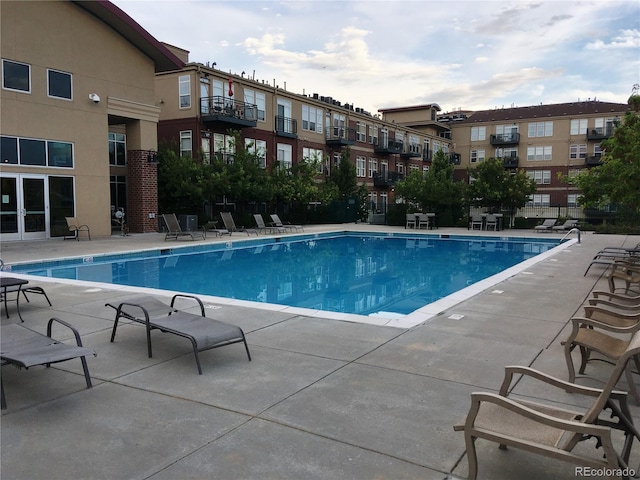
(152,157)
(94,97)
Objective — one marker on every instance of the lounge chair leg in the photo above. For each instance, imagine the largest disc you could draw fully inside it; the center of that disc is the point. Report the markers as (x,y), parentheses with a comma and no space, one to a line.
(584,354)
(3,401)
(632,385)
(86,371)
(472,458)
(567,355)
(246,347)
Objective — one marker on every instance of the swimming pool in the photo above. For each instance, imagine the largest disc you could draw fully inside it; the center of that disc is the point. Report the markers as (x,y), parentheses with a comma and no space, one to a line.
(363,274)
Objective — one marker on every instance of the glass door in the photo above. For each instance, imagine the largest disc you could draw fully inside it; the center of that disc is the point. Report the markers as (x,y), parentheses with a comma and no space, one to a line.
(24,207)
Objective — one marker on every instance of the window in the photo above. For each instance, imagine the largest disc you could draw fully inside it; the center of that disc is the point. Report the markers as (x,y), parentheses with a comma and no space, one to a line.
(414,144)
(118,186)
(221,97)
(436,146)
(425,169)
(541,177)
(224,146)
(361,132)
(259,149)
(313,156)
(373,166)
(477,156)
(506,130)
(538,153)
(572,200)
(573,172)
(311,119)
(604,126)
(413,168)
(31,151)
(578,126)
(597,151)
(541,129)
(184,91)
(257,98)
(339,123)
(185,143)
(400,167)
(478,134)
(373,134)
(539,200)
(361,166)
(16,76)
(285,158)
(510,152)
(117,149)
(60,154)
(578,151)
(9,150)
(59,84)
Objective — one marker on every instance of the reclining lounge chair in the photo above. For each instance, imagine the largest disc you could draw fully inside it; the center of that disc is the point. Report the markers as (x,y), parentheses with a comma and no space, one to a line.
(230,224)
(23,347)
(174,230)
(203,333)
(276,222)
(262,227)
(545,226)
(553,431)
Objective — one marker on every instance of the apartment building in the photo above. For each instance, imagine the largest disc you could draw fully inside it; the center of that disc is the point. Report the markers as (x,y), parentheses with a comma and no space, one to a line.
(547,141)
(201,104)
(78,126)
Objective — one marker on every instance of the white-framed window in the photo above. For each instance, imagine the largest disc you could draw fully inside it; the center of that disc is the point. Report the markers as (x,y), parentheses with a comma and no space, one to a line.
(384,166)
(539,153)
(509,152)
(578,126)
(541,129)
(259,149)
(313,155)
(478,134)
(256,98)
(373,134)
(16,76)
(445,148)
(413,167)
(426,153)
(477,156)
(539,200)
(425,169)
(373,166)
(414,144)
(59,84)
(400,167)
(436,146)
(572,200)
(312,118)
(339,125)
(597,150)
(285,156)
(573,172)
(117,149)
(361,166)
(361,132)
(222,99)
(184,91)
(541,177)
(506,130)
(224,145)
(400,137)
(604,126)
(36,152)
(577,151)
(284,121)
(186,143)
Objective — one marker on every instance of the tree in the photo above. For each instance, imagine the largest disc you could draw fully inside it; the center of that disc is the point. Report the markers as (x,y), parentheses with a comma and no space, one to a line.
(182,182)
(497,188)
(617,180)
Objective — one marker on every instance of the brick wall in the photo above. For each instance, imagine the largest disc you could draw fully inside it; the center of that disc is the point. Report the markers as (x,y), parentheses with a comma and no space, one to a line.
(142,192)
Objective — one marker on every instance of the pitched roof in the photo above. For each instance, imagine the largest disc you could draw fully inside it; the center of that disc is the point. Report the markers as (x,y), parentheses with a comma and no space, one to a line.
(126,26)
(545,111)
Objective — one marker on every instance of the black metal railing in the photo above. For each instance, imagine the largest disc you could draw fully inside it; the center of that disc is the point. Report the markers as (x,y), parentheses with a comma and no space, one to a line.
(286,127)
(455,158)
(229,110)
(594,160)
(600,133)
(412,150)
(388,146)
(386,179)
(505,139)
(340,136)
(427,155)
(510,161)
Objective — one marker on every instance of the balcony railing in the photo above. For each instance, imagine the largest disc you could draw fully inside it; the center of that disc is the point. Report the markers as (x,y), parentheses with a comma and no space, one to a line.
(228,110)
(427,155)
(455,158)
(510,161)
(286,127)
(386,179)
(594,160)
(505,139)
(600,133)
(412,150)
(388,146)
(338,136)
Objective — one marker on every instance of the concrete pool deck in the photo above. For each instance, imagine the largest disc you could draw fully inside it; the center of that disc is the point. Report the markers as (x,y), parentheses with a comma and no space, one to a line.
(322,399)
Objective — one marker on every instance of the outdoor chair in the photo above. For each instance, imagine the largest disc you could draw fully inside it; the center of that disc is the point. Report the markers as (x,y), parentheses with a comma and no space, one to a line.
(545,226)
(24,348)
(553,431)
(611,259)
(411,221)
(276,222)
(203,333)
(174,230)
(212,226)
(423,221)
(262,227)
(230,224)
(491,223)
(567,225)
(476,221)
(75,228)
(628,272)
(24,289)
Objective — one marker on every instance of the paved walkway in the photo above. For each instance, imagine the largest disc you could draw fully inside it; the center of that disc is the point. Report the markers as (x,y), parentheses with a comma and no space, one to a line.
(322,398)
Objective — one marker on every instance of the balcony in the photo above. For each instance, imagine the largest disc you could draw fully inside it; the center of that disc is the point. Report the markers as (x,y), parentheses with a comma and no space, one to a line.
(455,158)
(412,150)
(286,127)
(388,147)
(505,139)
(386,179)
(229,111)
(600,133)
(427,155)
(510,161)
(340,136)
(594,160)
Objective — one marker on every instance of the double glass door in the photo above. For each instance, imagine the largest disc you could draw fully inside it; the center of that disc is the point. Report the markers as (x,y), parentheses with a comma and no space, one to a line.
(24,207)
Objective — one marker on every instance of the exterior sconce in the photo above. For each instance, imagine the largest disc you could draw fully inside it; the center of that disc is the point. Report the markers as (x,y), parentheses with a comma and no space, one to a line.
(152,157)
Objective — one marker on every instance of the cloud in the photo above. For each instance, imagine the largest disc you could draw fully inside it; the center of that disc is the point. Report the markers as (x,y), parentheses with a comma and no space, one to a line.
(626,39)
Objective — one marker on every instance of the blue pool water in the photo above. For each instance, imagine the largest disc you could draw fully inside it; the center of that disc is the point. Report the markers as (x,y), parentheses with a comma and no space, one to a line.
(351,273)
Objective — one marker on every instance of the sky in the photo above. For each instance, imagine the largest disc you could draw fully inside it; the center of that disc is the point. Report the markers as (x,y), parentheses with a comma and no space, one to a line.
(470,55)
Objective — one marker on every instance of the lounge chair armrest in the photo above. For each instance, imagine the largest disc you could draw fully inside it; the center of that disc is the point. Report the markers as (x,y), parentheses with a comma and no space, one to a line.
(569,387)
(621,297)
(477,398)
(579,322)
(601,302)
(192,297)
(71,327)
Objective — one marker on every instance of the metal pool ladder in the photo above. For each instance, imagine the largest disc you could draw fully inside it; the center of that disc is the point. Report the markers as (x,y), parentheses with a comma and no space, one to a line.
(573,230)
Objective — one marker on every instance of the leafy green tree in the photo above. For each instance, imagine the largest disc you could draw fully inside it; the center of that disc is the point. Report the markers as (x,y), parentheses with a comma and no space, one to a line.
(497,188)
(617,180)
(344,177)
(182,182)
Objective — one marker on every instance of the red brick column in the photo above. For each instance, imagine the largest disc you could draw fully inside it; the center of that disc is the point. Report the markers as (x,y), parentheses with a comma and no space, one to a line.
(142,192)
